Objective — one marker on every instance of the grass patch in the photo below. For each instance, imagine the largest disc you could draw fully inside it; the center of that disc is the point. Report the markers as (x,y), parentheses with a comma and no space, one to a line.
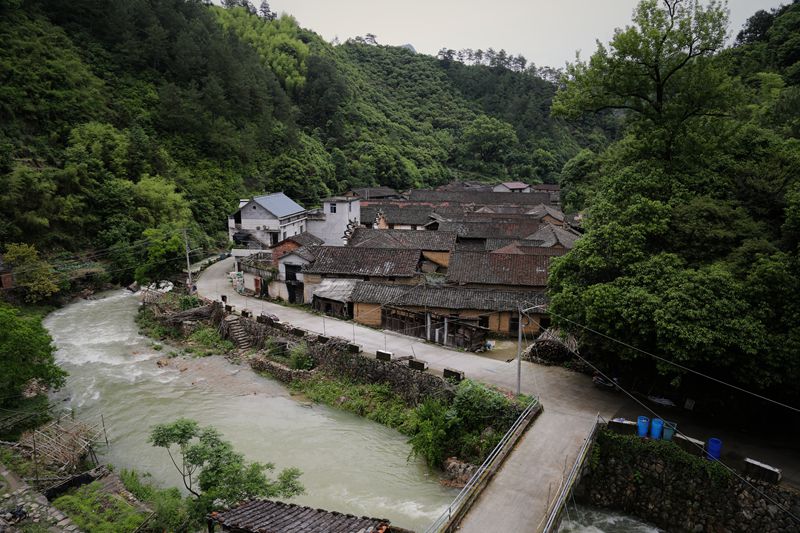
(210,342)
(173,512)
(97,512)
(151,327)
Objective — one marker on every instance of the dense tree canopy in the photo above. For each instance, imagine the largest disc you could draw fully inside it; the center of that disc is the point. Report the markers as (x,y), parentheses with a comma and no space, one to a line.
(691,243)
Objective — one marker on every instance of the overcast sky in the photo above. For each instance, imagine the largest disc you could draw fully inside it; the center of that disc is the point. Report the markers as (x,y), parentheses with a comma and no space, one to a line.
(546,32)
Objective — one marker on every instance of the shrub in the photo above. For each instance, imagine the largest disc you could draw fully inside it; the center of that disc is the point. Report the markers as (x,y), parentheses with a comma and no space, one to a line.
(299,358)
(210,339)
(172,511)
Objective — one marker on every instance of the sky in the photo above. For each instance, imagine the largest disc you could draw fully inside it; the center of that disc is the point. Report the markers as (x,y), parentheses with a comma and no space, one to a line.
(546,32)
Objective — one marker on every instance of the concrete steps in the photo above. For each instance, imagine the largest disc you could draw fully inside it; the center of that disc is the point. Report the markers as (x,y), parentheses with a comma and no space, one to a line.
(236,332)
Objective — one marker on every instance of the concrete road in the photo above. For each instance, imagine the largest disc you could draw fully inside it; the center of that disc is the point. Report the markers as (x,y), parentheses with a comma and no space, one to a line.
(519,494)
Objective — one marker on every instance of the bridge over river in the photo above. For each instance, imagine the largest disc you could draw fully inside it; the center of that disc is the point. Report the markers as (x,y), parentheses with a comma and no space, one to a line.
(519,494)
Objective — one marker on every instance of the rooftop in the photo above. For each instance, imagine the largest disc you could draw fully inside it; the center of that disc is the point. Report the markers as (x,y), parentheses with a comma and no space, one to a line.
(266,516)
(497,228)
(279,204)
(375,192)
(403,239)
(515,185)
(303,239)
(498,269)
(551,235)
(479,197)
(357,261)
(446,297)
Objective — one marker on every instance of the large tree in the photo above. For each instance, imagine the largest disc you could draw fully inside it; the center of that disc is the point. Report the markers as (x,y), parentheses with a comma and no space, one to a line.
(660,69)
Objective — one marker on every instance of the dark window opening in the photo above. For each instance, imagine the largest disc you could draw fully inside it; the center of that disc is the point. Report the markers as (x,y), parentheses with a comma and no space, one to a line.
(333,208)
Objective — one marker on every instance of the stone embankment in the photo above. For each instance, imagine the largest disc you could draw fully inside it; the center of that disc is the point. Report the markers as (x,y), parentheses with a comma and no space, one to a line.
(16,494)
(662,484)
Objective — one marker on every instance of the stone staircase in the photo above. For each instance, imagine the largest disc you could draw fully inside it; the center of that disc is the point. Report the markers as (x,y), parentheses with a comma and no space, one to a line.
(236,332)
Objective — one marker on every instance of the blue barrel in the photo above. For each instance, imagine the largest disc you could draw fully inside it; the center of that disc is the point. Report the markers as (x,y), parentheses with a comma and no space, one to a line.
(669,430)
(655,428)
(713,448)
(642,426)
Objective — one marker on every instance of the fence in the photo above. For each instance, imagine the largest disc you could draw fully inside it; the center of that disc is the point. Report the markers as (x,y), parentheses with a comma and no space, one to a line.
(452,516)
(556,508)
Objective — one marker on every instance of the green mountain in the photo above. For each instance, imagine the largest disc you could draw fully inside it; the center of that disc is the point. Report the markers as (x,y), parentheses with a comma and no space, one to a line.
(125,119)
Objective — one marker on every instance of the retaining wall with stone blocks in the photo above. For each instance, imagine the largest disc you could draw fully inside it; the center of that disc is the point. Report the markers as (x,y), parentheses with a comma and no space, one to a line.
(660,483)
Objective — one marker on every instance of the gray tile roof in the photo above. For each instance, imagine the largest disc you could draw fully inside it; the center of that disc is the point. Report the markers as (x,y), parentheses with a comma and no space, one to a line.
(487,268)
(279,204)
(356,261)
(303,239)
(403,239)
(551,235)
(446,297)
(497,228)
(265,516)
(375,192)
(397,213)
(479,197)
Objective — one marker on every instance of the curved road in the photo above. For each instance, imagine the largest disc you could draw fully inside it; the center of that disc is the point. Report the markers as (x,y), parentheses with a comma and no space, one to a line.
(518,496)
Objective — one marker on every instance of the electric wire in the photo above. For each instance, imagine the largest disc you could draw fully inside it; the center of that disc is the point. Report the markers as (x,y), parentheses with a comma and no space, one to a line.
(678,365)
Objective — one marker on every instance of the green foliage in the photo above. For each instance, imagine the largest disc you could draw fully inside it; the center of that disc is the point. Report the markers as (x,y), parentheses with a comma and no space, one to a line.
(95,511)
(172,512)
(214,472)
(633,451)
(209,338)
(26,353)
(299,358)
(690,222)
(33,275)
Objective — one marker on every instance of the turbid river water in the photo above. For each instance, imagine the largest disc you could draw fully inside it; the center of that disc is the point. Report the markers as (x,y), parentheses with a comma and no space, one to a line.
(349,464)
(587,520)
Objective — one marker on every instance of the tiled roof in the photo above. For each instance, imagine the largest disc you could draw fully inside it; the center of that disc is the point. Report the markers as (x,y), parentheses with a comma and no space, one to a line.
(347,260)
(374,192)
(498,269)
(498,228)
(279,204)
(399,239)
(306,239)
(515,185)
(306,252)
(546,187)
(265,516)
(479,197)
(529,248)
(397,213)
(551,235)
(445,297)
(543,210)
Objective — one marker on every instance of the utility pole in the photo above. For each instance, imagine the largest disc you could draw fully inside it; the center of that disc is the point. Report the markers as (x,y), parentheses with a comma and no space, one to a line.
(519,350)
(188,263)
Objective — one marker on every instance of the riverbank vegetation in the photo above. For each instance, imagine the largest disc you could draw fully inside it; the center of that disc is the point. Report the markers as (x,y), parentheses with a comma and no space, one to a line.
(95,511)
(469,427)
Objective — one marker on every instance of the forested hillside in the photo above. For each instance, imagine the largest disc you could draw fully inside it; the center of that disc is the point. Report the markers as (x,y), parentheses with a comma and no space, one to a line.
(126,120)
(691,248)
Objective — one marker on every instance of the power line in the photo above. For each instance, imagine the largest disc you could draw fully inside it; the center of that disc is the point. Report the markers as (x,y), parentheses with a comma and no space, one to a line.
(682,367)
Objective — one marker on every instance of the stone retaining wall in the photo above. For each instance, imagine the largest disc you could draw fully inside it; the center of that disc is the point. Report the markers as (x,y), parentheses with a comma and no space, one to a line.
(338,357)
(662,484)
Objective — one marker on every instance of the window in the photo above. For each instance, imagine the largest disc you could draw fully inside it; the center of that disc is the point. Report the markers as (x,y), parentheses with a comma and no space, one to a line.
(254,207)
(349,207)
(333,208)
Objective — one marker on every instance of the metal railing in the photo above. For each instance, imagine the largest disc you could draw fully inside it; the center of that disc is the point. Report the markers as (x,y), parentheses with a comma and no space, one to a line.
(568,484)
(476,481)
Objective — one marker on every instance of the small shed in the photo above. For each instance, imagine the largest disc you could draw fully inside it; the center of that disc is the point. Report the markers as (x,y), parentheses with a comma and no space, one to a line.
(334,297)
(6,276)
(258,516)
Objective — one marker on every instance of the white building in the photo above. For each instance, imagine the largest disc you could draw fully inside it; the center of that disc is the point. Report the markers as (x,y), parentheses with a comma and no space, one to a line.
(512,186)
(331,223)
(264,221)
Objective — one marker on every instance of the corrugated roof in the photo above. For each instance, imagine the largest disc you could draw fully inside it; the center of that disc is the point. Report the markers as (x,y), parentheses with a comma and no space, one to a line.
(265,516)
(400,239)
(498,269)
(446,297)
(382,262)
(336,289)
(279,204)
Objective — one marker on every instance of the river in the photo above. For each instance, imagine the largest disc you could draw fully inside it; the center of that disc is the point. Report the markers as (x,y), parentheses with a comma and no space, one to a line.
(349,464)
(580,519)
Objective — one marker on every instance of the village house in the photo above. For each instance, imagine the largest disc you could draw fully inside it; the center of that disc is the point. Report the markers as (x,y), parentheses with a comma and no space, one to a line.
(512,186)
(387,265)
(332,222)
(262,222)
(376,193)
(6,276)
